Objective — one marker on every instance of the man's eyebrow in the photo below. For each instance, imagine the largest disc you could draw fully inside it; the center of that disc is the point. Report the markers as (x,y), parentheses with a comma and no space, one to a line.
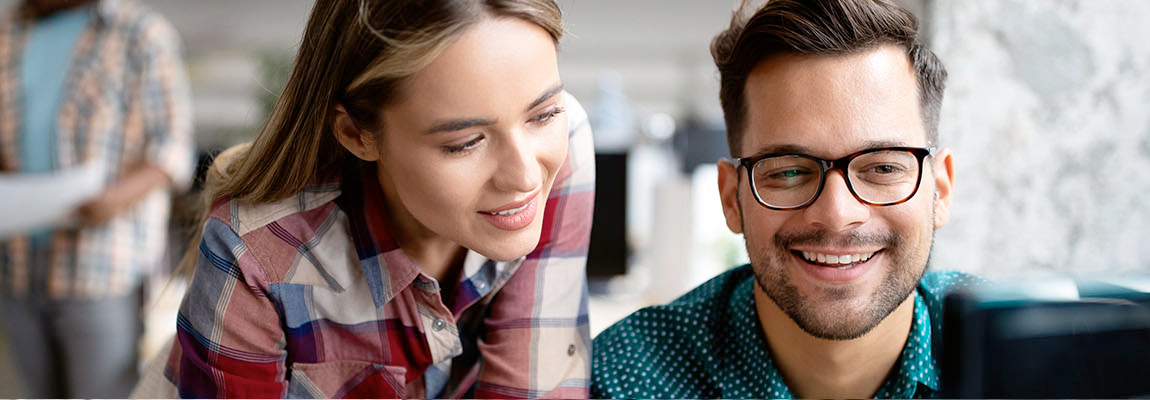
(782,149)
(875,144)
(554,90)
(799,149)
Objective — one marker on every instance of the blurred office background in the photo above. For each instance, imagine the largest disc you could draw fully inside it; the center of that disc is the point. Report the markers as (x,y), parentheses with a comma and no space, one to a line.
(1047,111)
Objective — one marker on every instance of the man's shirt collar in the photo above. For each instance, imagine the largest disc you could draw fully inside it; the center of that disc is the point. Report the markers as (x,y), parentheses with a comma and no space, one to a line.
(748,358)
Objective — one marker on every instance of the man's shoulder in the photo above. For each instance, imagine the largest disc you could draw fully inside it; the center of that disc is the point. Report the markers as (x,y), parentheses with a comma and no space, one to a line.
(935,284)
(665,344)
(696,307)
(135,18)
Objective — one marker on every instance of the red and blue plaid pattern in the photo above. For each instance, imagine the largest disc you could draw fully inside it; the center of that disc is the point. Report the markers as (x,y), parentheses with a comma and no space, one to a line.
(127,102)
(311,296)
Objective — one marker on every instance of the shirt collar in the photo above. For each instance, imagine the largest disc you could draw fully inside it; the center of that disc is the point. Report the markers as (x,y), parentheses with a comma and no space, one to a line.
(747,369)
(388,269)
(916,370)
(749,362)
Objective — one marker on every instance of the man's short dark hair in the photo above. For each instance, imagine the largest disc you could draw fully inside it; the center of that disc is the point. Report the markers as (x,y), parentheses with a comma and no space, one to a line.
(819,28)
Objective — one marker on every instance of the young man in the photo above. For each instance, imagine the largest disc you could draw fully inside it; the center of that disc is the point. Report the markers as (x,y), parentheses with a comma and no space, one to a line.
(832,111)
(88,82)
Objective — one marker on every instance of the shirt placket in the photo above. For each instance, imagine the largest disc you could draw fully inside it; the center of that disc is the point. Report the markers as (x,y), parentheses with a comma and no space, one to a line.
(439,326)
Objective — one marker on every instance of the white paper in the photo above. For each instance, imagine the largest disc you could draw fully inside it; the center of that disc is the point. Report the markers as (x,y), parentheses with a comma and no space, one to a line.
(30,202)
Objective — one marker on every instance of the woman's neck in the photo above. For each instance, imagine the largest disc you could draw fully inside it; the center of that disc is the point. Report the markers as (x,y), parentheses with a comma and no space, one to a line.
(438,257)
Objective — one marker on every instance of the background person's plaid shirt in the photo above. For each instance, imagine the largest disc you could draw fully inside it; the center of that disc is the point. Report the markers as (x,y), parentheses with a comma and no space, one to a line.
(126,102)
(312,297)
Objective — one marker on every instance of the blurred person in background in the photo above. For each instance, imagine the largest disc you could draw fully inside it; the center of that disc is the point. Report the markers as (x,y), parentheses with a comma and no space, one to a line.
(412,220)
(832,111)
(89,83)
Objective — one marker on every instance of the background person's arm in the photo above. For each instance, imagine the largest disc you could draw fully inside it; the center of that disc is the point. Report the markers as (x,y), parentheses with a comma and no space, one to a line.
(160,107)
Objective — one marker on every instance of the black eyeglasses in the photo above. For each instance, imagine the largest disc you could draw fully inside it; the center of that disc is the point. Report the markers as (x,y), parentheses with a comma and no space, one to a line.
(878,177)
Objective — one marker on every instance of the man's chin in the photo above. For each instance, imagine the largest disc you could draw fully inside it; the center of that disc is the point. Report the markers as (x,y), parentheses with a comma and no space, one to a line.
(830,311)
(839,313)
(836,320)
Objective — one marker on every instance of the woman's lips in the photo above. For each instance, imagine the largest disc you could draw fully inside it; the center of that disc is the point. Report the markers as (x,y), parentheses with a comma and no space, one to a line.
(513,216)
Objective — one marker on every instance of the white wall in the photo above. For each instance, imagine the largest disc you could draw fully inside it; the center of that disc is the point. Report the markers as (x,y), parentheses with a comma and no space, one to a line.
(1048,113)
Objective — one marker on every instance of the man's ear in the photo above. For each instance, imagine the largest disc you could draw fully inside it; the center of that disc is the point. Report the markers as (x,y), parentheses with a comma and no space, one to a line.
(729,195)
(943,186)
(360,142)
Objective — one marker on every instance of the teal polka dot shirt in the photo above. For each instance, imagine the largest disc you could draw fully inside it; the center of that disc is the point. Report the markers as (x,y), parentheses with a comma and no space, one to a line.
(708,344)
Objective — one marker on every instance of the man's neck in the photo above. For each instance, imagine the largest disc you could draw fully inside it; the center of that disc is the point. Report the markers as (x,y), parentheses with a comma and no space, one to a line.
(821,368)
(32,9)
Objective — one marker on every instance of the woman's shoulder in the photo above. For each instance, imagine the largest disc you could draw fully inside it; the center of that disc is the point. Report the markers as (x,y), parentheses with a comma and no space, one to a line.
(276,234)
(576,114)
(246,216)
(299,208)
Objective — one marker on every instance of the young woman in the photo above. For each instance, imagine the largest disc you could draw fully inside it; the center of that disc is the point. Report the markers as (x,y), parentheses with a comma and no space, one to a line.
(412,221)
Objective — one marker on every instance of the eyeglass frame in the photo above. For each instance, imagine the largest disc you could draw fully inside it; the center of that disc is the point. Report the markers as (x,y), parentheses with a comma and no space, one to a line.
(826,166)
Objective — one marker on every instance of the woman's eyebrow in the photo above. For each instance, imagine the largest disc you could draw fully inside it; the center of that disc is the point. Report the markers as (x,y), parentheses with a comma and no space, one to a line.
(452,125)
(458,125)
(554,90)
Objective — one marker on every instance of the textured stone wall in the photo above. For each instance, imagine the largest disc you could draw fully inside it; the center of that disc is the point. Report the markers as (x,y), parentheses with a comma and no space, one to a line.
(1048,113)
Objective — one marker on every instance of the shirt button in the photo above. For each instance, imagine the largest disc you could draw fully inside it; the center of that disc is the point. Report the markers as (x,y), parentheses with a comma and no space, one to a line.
(438,325)
(571,350)
(480,285)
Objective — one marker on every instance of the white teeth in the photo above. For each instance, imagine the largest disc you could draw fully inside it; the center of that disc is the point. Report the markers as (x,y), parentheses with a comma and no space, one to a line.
(512,211)
(847,260)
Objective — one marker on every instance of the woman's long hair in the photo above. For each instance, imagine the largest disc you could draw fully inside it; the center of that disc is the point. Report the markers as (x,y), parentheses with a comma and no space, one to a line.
(354,53)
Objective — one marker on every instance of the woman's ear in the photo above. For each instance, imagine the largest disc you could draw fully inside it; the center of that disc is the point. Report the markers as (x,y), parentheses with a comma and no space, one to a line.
(358,141)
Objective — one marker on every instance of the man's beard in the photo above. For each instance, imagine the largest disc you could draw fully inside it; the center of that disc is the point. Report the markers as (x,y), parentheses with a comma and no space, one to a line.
(839,313)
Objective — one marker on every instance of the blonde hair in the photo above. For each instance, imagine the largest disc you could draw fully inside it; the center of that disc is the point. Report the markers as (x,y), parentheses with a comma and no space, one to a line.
(354,54)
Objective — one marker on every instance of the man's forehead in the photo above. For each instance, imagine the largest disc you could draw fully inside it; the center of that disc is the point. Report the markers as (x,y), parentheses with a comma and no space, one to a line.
(783,147)
(833,104)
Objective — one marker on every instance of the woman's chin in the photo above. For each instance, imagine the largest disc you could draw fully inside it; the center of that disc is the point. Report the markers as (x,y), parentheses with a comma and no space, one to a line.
(509,248)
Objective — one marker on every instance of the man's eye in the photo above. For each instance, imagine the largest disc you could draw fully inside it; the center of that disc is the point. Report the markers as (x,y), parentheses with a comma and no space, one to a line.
(787,174)
(886,169)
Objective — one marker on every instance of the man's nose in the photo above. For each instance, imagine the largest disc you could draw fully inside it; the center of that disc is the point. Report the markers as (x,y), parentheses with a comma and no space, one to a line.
(836,209)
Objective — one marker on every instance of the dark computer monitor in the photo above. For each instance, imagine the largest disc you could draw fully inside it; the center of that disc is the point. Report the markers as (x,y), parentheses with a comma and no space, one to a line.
(608,251)
(1096,346)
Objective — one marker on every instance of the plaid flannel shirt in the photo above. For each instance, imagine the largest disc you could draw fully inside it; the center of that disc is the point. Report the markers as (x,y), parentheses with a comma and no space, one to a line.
(312,297)
(127,102)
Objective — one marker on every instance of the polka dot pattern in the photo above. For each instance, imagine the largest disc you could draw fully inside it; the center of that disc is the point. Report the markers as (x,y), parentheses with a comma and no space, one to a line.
(707,344)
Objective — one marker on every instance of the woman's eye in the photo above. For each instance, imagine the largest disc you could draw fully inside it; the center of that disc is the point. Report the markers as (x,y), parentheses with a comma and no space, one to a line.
(548,116)
(470,144)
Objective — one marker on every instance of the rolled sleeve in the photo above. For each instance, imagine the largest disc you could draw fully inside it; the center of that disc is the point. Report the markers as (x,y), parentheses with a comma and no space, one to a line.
(164,100)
